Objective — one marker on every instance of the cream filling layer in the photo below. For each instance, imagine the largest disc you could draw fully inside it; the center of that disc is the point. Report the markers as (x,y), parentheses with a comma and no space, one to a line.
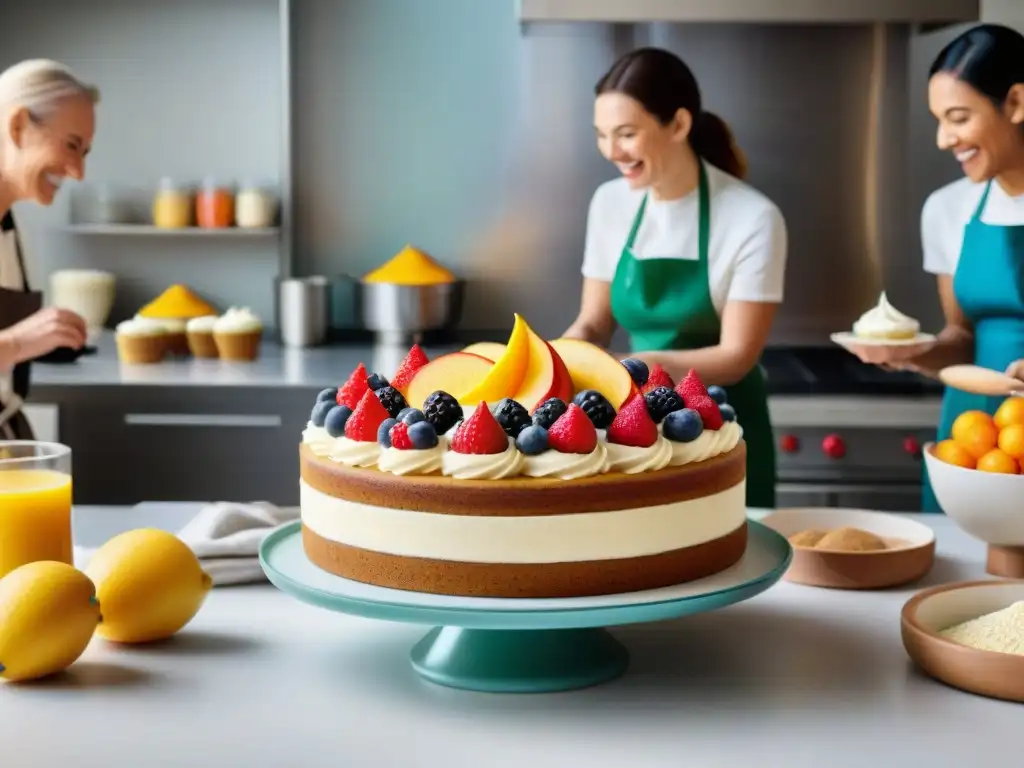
(575,538)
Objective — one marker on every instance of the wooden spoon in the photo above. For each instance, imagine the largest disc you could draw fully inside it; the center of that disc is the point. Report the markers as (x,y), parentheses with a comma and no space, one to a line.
(981,381)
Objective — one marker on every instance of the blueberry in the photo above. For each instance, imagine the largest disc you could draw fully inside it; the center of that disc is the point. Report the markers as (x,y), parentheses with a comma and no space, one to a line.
(382,432)
(320,411)
(532,440)
(512,416)
(392,400)
(331,393)
(600,412)
(718,394)
(683,426)
(638,371)
(442,410)
(728,412)
(335,421)
(547,413)
(661,401)
(422,435)
(410,416)
(375,381)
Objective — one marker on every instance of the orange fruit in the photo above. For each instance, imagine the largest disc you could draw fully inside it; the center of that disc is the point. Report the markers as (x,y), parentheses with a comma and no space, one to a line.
(997,461)
(967,421)
(1011,441)
(979,438)
(1010,412)
(951,452)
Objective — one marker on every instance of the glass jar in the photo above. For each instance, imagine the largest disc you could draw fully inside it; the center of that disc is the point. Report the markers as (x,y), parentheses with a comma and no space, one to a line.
(215,206)
(255,207)
(172,206)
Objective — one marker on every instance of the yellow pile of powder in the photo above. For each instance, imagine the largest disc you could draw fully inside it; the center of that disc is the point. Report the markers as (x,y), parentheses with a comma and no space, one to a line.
(410,266)
(1002,631)
(176,302)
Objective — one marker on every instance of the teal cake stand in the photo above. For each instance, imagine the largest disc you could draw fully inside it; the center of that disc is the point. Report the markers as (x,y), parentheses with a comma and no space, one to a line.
(504,645)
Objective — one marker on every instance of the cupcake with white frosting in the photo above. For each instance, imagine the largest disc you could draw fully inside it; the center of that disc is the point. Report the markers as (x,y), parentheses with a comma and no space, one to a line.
(141,340)
(199,331)
(237,334)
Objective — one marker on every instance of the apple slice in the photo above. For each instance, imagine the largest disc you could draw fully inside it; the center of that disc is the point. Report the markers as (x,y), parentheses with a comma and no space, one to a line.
(492,350)
(455,373)
(546,375)
(592,368)
(508,371)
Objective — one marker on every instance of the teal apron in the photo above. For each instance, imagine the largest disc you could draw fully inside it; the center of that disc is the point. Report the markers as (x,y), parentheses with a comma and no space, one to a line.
(666,304)
(989,286)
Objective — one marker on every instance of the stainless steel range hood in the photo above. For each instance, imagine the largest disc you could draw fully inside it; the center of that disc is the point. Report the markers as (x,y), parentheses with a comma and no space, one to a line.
(751,11)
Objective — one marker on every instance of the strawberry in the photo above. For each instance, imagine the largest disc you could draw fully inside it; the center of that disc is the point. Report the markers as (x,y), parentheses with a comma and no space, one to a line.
(365,420)
(633,425)
(399,435)
(480,434)
(353,390)
(415,360)
(573,432)
(707,409)
(658,378)
(691,386)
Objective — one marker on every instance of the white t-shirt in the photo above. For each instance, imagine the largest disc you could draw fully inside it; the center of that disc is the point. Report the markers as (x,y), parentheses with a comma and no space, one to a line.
(946,212)
(746,248)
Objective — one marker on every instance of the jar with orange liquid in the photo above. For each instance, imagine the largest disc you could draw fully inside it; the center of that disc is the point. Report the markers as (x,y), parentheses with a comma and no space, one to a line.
(172,206)
(215,205)
(35,503)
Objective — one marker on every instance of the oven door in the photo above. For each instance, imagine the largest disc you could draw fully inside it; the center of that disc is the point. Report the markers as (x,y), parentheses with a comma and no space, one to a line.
(884,497)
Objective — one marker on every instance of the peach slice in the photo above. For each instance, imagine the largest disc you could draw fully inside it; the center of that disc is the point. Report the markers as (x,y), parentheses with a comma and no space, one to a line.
(508,371)
(455,373)
(492,350)
(592,368)
(546,375)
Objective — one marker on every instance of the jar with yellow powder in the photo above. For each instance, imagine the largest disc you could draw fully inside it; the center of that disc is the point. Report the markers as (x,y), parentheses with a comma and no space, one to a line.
(172,205)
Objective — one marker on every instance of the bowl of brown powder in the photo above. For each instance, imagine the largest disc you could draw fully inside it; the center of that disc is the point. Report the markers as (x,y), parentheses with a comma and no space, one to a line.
(853,548)
(969,635)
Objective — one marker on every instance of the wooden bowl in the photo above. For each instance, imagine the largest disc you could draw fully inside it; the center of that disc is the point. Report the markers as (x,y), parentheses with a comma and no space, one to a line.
(987,673)
(910,555)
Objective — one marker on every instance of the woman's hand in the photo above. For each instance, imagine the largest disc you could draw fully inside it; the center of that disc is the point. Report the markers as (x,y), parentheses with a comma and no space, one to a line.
(1016,369)
(43,332)
(900,356)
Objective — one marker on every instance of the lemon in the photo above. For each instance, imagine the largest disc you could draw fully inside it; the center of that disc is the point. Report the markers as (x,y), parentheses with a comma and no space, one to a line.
(149,583)
(48,613)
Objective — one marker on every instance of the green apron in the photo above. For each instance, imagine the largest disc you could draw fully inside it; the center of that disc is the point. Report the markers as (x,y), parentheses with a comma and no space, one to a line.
(666,304)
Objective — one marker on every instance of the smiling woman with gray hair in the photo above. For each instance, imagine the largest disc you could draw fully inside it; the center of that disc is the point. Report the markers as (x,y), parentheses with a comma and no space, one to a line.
(47,120)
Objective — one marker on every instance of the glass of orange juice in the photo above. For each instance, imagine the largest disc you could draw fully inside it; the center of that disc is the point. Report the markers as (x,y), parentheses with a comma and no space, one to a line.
(35,503)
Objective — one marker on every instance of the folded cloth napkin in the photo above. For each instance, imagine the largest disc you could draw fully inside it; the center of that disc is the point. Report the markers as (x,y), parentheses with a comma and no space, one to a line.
(226,537)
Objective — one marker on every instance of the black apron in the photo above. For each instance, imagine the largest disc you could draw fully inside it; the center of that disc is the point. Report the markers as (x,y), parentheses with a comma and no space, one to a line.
(15,306)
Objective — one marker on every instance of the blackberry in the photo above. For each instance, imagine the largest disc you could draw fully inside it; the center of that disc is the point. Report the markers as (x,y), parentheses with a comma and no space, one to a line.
(392,400)
(442,410)
(596,406)
(661,401)
(512,416)
(375,381)
(638,370)
(547,413)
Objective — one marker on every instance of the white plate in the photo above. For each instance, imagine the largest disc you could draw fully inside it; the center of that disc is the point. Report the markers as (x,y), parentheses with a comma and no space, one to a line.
(849,340)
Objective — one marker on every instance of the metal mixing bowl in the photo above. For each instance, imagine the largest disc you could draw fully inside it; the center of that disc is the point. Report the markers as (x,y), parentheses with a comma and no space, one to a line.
(402,313)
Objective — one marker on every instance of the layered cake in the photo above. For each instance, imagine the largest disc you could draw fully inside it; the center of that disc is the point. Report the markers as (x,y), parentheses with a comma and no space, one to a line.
(530,469)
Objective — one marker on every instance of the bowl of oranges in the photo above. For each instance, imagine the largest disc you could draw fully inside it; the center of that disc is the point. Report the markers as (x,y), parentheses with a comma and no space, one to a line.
(977,475)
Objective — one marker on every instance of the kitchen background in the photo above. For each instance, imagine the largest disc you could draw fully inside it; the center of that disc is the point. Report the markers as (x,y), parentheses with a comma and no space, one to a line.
(464,127)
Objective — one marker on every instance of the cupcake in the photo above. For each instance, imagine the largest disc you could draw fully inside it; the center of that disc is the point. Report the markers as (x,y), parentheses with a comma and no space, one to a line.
(141,340)
(237,334)
(199,333)
(176,341)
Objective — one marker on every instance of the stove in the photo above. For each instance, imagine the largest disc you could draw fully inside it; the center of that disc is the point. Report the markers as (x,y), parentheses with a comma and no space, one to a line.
(847,433)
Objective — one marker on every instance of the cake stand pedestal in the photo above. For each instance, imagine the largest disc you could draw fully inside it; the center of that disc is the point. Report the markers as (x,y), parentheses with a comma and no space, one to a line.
(503,645)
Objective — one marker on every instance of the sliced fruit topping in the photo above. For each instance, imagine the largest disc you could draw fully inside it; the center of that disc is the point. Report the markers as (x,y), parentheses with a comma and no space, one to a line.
(384,432)
(506,375)
(633,425)
(591,367)
(638,371)
(573,432)
(512,416)
(336,419)
(727,411)
(422,435)
(320,411)
(375,381)
(718,394)
(492,350)
(442,410)
(410,415)
(708,409)
(683,426)
(545,376)
(659,378)
(391,399)
(661,401)
(365,419)
(415,360)
(352,391)
(327,394)
(596,406)
(547,413)
(480,434)
(533,440)
(456,373)
(399,435)
(691,386)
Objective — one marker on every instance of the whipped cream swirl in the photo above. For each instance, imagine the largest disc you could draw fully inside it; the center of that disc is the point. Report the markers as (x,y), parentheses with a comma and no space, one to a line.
(355,453)
(424,461)
(318,440)
(483,466)
(568,466)
(631,459)
(885,320)
(712,442)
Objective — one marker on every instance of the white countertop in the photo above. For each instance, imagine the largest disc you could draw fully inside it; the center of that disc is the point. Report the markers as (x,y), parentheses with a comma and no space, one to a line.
(797,678)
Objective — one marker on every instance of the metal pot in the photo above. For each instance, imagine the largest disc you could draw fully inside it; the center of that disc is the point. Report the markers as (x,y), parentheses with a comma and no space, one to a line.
(403,313)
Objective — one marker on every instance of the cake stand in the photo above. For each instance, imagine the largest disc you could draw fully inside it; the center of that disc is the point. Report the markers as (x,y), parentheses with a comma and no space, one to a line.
(505,645)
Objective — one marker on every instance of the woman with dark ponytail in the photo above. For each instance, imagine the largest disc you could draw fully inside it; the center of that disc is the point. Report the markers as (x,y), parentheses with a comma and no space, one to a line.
(680,252)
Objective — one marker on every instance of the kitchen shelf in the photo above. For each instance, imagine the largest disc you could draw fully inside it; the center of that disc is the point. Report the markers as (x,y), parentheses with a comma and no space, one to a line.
(146,230)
